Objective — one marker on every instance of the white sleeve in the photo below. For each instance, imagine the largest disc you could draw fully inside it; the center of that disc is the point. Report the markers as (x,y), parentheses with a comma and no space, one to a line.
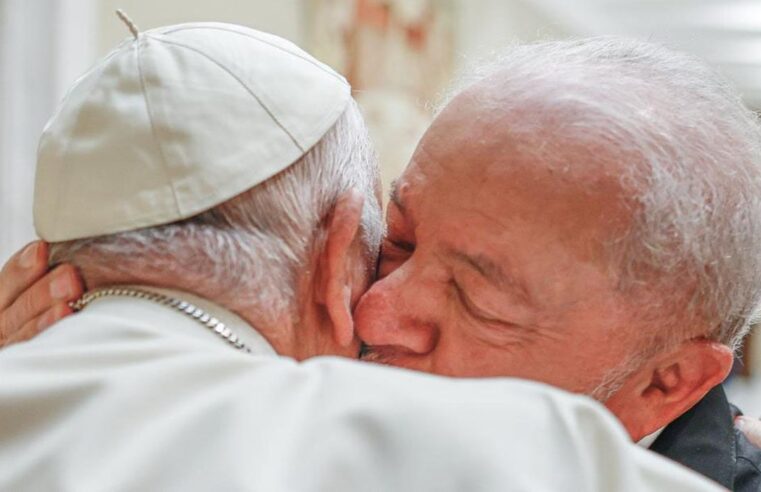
(404,431)
(150,414)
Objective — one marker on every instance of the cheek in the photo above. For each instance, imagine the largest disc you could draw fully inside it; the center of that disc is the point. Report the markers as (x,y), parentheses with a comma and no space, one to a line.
(461,355)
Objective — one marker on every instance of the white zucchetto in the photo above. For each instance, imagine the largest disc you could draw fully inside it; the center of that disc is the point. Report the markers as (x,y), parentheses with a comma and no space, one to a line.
(176,121)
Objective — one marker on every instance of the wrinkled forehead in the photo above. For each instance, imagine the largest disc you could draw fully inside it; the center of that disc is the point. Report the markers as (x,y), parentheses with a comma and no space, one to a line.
(557,128)
(520,164)
(481,132)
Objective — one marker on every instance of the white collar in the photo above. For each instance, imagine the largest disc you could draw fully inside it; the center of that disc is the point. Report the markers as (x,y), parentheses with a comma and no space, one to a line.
(649,439)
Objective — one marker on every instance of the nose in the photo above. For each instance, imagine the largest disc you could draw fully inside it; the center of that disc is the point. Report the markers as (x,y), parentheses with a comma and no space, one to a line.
(392,314)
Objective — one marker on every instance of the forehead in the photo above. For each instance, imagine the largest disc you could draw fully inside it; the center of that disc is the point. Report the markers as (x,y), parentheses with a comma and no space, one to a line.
(484,126)
(479,167)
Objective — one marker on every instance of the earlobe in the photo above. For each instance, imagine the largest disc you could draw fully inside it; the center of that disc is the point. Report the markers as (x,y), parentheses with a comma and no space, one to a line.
(339,263)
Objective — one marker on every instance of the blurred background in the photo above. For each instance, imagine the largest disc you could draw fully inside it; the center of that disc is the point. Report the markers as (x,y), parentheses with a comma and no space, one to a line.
(398,54)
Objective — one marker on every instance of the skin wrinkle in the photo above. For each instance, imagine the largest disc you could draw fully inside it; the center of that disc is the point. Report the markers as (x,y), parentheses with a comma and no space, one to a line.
(494,273)
(513,338)
(396,199)
(496,222)
(393,227)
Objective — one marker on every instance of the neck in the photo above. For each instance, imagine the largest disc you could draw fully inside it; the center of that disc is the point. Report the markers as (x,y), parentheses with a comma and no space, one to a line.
(278,330)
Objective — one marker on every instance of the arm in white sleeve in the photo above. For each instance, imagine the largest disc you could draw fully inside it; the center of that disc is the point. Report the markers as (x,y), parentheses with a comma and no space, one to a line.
(148,413)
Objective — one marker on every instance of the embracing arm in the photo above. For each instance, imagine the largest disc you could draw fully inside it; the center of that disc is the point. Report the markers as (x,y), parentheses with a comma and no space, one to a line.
(31,297)
(418,432)
(166,412)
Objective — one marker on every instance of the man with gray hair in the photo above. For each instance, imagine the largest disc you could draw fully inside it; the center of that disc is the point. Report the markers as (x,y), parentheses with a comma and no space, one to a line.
(585,214)
(215,187)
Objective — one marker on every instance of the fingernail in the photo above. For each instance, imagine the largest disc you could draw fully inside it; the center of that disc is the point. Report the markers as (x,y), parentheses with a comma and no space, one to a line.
(29,256)
(60,288)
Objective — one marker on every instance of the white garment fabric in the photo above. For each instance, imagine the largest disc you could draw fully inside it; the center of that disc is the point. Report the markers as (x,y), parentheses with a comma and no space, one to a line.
(129,395)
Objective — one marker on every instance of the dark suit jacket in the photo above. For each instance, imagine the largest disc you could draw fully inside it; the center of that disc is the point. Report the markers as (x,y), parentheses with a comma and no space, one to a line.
(706,440)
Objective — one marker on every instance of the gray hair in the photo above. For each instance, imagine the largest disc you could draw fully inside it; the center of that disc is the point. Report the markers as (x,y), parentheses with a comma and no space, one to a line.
(252,249)
(687,147)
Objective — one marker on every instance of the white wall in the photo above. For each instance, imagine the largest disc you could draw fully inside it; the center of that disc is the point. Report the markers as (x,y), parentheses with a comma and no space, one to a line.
(481,24)
(725,33)
(282,17)
(44,45)
(486,25)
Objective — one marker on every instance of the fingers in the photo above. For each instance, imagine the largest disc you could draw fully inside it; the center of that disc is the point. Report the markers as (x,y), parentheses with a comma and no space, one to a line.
(40,303)
(38,325)
(751,428)
(21,271)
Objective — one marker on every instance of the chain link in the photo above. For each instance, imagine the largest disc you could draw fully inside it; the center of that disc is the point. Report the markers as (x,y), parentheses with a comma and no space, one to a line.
(186,308)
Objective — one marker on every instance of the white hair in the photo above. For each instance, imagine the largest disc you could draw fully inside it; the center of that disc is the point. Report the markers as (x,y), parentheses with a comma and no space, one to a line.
(252,249)
(686,147)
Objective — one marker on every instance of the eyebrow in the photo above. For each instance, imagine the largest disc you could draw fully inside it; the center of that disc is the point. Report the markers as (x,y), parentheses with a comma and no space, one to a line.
(495,274)
(394,196)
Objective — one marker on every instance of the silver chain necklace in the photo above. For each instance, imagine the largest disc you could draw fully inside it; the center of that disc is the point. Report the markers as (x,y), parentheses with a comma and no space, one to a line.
(186,308)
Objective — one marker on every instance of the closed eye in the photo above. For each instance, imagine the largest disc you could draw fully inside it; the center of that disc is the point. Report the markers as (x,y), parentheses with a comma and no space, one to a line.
(401,245)
(393,254)
(474,311)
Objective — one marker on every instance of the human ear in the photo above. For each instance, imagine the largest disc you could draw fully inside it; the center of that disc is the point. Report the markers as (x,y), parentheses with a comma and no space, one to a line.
(342,277)
(669,385)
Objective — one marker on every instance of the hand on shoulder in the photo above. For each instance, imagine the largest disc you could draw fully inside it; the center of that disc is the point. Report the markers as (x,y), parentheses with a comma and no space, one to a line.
(33,297)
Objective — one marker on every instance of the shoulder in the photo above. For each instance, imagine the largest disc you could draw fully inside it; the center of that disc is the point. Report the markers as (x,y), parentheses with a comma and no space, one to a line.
(111,333)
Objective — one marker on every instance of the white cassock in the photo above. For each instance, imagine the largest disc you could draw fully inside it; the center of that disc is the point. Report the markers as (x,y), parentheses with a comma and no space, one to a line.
(129,395)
